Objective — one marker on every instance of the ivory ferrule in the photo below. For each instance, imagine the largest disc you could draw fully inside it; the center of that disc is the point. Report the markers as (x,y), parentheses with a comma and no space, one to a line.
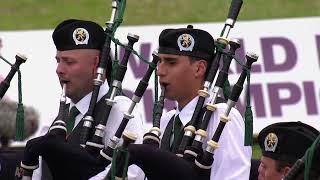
(156,131)
(203,93)
(224,118)
(212,145)
(189,131)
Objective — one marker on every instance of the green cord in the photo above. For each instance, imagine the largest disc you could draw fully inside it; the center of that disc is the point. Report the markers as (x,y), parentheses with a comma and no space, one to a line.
(308,157)
(122,153)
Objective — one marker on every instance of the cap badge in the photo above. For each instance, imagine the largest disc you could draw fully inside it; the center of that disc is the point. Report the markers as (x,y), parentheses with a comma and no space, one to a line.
(271,142)
(185,42)
(80,36)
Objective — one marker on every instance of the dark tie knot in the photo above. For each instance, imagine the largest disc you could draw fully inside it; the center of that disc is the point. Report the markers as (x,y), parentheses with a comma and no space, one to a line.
(74,112)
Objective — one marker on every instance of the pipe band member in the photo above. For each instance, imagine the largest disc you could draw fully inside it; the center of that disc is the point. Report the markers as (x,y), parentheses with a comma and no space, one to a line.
(79,44)
(185,57)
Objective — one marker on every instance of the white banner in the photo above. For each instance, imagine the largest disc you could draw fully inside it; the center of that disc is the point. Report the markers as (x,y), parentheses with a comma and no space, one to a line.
(284,81)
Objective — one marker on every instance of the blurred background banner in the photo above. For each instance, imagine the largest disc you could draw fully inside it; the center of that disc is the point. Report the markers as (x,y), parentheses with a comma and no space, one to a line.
(284,82)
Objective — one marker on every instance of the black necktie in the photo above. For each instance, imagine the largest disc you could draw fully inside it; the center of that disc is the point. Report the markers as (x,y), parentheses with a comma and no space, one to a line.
(177,124)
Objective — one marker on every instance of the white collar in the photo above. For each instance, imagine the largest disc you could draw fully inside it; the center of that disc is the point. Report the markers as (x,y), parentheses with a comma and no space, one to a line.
(186,113)
(83,104)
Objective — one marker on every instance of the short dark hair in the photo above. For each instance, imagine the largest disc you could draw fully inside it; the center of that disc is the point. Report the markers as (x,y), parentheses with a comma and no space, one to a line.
(282,164)
(194,59)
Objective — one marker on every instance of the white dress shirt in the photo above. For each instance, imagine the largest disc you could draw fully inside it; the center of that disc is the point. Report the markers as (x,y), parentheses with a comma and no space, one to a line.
(232,159)
(134,125)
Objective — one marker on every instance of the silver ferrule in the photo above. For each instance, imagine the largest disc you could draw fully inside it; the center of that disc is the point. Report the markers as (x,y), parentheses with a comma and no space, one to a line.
(113,142)
(198,138)
(128,115)
(230,105)
(110,101)
(207,84)
(88,121)
(100,71)
(132,105)
(88,118)
(99,79)
(226,31)
(59,122)
(215,92)
(99,130)
(116,84)
(113,12)
(136,99)
(210,149)
(87,124)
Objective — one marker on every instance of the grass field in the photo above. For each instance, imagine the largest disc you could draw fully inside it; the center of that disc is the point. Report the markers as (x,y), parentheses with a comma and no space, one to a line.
(45,14)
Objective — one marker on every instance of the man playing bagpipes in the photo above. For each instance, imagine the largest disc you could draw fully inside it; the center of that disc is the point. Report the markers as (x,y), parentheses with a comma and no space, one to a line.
(185,57)
(79,44)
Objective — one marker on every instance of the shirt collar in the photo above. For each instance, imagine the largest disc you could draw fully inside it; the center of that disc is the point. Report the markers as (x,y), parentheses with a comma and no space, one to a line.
(186,113)
(83,104)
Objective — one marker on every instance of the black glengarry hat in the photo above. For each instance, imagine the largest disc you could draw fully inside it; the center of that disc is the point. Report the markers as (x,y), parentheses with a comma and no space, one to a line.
(286,141)
(78,34)
(187,41)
